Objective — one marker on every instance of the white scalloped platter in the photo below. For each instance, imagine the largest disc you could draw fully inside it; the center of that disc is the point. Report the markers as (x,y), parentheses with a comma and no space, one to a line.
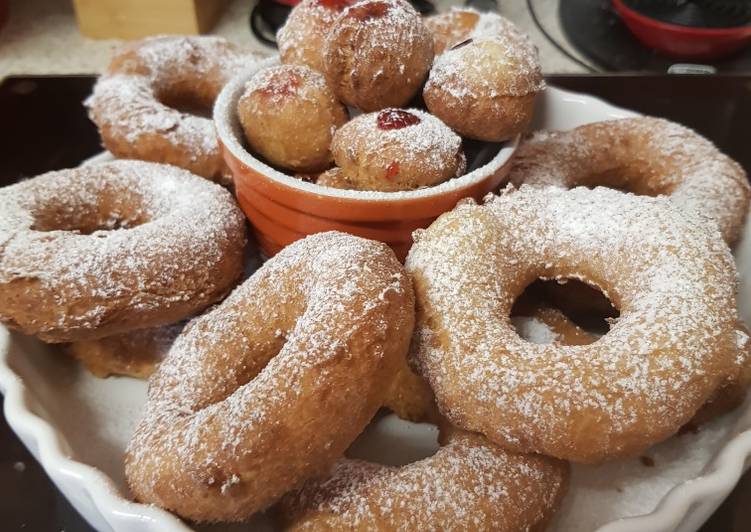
(77,426)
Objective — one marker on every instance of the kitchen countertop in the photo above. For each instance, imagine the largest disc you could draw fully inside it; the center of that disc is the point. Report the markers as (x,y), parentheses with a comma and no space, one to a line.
(41,36)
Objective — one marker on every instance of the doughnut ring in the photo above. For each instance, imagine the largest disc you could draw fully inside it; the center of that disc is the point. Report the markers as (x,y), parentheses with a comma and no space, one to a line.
(468,484)
(256,396)
(104,249)
(148,105)
(132,354)
(644,155)
(678,337)
(548,323)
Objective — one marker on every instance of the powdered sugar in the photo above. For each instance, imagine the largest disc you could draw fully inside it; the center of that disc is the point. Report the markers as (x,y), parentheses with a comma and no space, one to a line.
(158,238)
(648,155)
(281,342)
(491,66)
(673,344)
(131,102)
(468,485)
(423,153)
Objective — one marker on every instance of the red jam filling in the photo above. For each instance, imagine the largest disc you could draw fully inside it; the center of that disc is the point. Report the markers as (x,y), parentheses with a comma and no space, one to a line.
(392,171)
(396,119)
(283,84)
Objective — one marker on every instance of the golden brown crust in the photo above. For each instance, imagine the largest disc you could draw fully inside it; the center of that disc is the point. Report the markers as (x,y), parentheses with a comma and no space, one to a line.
(289,116)
(377,54)
(154,101)
(451,27)
(303,35)
(469,484)
(485,89)
(410,396)
(636,385)
(221,440)
(397,149)
(133,354)
(105,249)
(644,155)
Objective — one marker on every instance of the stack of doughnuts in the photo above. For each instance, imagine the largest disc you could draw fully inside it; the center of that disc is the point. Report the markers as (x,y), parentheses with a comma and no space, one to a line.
(262,377)
(377,57)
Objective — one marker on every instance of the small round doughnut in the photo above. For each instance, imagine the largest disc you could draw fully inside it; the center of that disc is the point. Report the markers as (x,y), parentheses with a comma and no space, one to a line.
(459,24)
(677,339)
(154,101)
(377,54)
(485,88)
(396,149)
(104,249)
(644,155)
(289,116)
(303,35)
(274,384)
(468,484)
(133,354)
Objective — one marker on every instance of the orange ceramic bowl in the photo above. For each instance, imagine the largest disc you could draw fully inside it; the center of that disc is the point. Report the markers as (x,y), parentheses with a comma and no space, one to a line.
(283,209)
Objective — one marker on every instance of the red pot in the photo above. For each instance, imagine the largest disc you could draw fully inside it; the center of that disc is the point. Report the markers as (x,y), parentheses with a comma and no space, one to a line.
(683,42)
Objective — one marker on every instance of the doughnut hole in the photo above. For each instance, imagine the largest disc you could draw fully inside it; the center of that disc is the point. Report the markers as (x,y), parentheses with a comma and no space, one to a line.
(626,178)
(289,116)
(391,441)
(108,212)
(567,311)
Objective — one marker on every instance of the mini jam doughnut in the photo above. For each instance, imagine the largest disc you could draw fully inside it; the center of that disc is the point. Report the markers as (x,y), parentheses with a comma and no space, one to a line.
(677,339)
(644,155)
(459,24)
(289,116)
(104,249)
(141,104)
(468,484)
(378,54)
(397,149)
(485,88)
(133,354)
(274,384)
(303,35)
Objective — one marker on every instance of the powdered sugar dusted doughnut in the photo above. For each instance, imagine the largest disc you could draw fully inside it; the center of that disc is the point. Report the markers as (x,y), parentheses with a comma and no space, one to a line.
(459,24)
(103,249)
(677,338)
(289,116)
(468,484)
(484,88)
(303,35)
(645,155)
(134,354)
(273,385)
(377,54)
(143,105)
(397,149)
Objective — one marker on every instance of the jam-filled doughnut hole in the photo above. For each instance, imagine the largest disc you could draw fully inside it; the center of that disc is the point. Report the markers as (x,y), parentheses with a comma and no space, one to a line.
(378,54)
(289,116)
(397,149)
